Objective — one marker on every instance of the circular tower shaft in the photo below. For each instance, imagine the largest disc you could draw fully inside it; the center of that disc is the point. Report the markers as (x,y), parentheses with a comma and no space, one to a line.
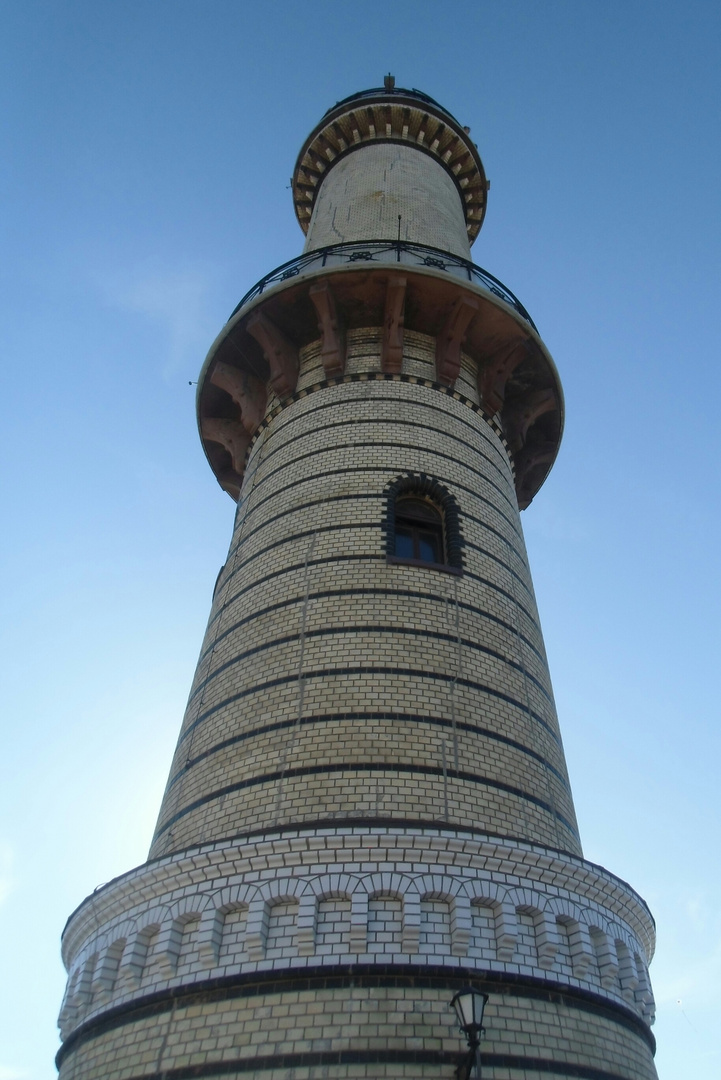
(335,682)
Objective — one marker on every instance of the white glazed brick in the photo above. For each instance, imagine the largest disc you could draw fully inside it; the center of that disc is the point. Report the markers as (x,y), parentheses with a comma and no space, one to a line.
(327,901)
(333,926)
(362,195)
(282,920)
(385,925)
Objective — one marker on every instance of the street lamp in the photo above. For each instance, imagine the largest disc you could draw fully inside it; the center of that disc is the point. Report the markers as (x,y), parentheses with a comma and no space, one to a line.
(469,1005)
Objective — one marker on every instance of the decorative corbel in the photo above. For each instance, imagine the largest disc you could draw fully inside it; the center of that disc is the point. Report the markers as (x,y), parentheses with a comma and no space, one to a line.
(450,339)
(543,453)
(581,948)
(332,330)
(607,958)
(493,375)
(518,417)
(231,435)
(279,351)
(230,482)
(246,390)
(392,343)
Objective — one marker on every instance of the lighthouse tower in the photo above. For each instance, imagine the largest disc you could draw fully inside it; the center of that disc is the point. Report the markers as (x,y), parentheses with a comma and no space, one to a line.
(368,809)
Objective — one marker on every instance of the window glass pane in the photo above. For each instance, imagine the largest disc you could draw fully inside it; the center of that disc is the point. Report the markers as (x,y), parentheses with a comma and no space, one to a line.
(404,543)
(418,530)
(429,547)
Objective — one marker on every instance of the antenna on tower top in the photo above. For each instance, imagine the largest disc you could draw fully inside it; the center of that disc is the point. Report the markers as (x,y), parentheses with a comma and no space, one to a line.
(389,81)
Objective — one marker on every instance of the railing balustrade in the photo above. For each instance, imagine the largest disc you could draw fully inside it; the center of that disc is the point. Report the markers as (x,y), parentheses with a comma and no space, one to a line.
(383,252)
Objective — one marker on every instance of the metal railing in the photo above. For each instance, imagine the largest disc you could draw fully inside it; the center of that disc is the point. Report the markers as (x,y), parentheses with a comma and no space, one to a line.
(387,92)
(384,252)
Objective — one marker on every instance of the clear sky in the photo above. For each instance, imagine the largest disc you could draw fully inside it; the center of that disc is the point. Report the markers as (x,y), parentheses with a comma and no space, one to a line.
(146,151)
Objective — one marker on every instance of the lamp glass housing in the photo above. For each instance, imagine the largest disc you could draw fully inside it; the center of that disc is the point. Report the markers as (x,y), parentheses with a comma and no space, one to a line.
(469,1004)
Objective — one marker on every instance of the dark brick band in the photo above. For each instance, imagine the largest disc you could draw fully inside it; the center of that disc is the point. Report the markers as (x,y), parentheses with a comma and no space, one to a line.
(398,632)
(440,427)
(362,496)
(327,594)
(329,1058)
(295,567)
(370,671)
(407,718)
(429,404)
(232,987)
(399,446)
(368,767)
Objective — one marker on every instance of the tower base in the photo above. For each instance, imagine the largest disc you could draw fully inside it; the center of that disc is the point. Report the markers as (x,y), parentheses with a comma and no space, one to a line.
(354,937)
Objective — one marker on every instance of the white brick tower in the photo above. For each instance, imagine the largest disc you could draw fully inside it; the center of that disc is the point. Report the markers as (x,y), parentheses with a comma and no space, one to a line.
(369,806)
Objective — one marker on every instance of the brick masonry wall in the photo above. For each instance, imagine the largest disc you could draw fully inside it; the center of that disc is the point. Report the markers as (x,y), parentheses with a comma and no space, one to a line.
(338,693)
(361,196)
(327,1032)
(333,684)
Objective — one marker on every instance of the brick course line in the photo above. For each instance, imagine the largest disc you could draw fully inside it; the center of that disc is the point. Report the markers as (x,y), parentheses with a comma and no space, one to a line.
(357,421)
(433,721)
(401,976)
(446,417)
(328,1058)
(338,631)
(370,671)
(371,824)
(399,593)
(409,380)
(367,767)
(385,468)
(380,495)
(349,557)
(465,516)
(327,594)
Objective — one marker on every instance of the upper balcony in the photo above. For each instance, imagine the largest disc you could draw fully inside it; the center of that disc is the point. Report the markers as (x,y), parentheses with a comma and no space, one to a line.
(383,252)
(395,286)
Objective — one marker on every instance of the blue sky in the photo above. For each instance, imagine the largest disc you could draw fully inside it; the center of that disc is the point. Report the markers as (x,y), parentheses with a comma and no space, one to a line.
(143,190)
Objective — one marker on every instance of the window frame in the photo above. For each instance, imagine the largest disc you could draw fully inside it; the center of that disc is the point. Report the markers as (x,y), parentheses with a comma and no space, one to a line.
(424,489)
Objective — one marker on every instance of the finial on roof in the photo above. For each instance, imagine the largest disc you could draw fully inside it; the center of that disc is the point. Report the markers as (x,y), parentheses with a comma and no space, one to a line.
(390,81)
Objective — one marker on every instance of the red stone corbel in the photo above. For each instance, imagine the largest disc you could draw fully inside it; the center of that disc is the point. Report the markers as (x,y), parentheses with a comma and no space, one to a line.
(525,461)
(493,376)
(247,391)
(279,351)
(230,482)
(392,343)
(450,339)
(518,417)
(332,330)
(229,434)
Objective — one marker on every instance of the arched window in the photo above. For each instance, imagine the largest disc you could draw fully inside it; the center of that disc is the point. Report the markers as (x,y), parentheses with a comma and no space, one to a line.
(419,530)
(421,524)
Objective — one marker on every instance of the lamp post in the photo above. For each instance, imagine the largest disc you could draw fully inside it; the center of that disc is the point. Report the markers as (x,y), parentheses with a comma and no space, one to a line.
(469,1004)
